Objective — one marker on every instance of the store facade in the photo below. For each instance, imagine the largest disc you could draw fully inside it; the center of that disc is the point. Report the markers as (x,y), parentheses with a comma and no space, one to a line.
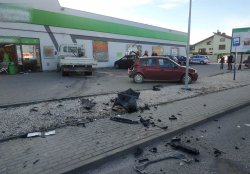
(24,52)
(33,34)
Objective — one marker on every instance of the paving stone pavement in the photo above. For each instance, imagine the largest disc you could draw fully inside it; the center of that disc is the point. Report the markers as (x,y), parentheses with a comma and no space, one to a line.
(74,148)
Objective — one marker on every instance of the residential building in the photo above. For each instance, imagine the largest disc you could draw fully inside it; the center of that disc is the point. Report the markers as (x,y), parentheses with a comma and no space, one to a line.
(219,43)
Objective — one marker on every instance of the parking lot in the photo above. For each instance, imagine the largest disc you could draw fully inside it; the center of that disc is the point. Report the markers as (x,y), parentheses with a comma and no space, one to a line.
(22,88)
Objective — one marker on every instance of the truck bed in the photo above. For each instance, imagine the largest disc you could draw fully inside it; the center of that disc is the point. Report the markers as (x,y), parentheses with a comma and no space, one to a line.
(77,61)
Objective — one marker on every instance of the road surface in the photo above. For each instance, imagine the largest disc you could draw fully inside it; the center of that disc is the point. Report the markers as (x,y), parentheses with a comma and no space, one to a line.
(229,134)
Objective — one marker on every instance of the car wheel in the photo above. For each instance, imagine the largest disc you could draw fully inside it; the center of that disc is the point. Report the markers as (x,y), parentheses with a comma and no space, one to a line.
(202,62)
(138,78)
(184,78)
(116,66)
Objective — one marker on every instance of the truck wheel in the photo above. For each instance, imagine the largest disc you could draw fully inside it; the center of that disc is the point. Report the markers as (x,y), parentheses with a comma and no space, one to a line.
(89,73)
(64,73)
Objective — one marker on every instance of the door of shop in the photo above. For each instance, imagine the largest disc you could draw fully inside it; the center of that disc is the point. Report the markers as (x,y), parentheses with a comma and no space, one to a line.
(23,52)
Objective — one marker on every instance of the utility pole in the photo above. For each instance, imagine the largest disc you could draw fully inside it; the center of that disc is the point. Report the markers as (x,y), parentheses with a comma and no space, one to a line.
(188,45)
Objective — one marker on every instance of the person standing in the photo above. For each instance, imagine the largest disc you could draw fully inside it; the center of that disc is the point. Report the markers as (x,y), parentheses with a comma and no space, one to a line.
(229,61)
(222,61)
(145,53)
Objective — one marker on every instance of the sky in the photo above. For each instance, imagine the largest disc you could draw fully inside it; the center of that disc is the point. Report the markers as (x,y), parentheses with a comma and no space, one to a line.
(207,16)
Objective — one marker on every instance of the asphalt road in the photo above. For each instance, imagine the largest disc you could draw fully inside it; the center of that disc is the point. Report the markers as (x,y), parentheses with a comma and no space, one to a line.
(229,134)
(51,85)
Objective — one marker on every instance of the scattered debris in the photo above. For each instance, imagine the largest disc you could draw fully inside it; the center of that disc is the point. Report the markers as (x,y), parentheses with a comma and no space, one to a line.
(40,134)
(179,114)
(238,126)
(87,103)
(175,139)
(145,122)
(127,100)
(131,92)
(72,121)
(36,161)
(119,109)
(145,107)
(217,152)
(216,120)
(60,105)
(138,151)
(97,142)
(196,160)
(153,150)
(34,109)
(173,117)
(218,127)
(124,120)
(47,113)
(204,105)
(159,120)
(188,141)
(247,125)
(155,88)
(3,132)
(197,139)
(243,138)
(236,147)
(164,127)
(25,164)
(143,162)
(184,148)
(106,104)
(155,107)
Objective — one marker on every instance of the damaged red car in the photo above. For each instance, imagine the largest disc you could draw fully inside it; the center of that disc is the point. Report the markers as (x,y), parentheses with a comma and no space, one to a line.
(160,68)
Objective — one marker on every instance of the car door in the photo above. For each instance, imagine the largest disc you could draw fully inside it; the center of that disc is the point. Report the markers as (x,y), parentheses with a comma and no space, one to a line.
(150,68)
(123,62)
(169,70)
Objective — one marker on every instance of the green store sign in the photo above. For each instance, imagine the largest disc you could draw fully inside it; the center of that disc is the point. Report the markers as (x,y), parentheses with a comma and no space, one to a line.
(17,40)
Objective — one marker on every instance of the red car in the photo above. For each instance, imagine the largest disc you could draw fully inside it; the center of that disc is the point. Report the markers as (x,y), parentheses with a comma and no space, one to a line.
(160,68)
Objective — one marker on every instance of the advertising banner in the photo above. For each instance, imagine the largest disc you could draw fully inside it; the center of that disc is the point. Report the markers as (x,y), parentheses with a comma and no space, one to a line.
(243,36)
(158,50)
(100,51)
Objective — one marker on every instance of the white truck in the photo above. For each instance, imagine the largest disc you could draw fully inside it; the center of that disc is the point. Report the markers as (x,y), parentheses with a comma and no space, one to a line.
(72,58)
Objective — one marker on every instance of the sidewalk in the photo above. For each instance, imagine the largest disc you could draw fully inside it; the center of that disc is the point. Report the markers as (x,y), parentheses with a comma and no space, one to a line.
(75,148)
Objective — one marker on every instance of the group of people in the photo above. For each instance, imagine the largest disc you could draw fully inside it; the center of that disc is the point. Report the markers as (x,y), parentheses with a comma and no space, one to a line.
(230,60)
(146,54)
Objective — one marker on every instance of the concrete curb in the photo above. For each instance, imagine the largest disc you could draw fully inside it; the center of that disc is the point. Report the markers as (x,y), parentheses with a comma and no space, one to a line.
(97,160)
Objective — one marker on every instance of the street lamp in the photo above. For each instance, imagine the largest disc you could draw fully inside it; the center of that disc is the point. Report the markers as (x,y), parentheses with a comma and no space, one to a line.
(188,46)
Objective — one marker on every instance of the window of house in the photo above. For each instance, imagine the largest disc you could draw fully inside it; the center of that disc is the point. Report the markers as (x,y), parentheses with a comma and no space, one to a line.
(209,43)
(222,47)
(222,39)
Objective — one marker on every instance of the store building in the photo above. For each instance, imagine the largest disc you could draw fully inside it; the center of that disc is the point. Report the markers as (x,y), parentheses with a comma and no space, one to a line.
(31,31)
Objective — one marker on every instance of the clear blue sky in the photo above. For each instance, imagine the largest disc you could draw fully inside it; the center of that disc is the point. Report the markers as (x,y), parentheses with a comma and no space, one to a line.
(208,16)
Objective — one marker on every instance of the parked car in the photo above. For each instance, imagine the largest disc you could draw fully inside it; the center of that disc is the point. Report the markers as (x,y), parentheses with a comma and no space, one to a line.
(160,68)
(201,59)
(181,60)
(246,62)
(125,62)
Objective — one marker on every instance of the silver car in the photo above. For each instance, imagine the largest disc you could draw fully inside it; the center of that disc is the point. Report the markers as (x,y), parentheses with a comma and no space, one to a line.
(201,59)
